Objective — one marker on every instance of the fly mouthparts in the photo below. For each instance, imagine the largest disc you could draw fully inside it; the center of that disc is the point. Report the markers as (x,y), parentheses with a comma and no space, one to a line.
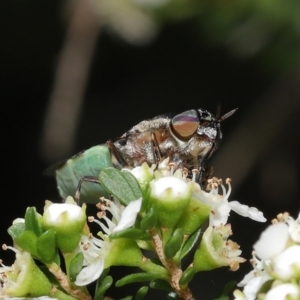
(227,115)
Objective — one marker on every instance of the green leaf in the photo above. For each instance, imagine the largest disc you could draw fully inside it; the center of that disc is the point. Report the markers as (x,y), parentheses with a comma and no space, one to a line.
(190,242)
(134,185)
(120,185)
(156,261)
(127,298)
(161,285)
(227,290)
(46,246)
(136,277)
(174,243)
(103,286)
(141,293)
(103,275)
(149,220)
(32,221)
(75,266)
(131,233)
(28,241)
(16,229)
(187,276)
(53,280)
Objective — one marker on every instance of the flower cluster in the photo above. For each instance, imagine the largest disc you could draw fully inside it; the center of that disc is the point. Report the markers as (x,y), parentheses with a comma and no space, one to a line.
(158,209)
(276,263)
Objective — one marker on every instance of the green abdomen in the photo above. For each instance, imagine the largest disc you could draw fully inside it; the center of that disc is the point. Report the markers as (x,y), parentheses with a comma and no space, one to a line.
(87,163)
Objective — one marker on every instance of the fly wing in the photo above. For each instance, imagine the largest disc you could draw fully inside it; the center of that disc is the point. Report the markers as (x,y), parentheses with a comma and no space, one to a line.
(86,163)
(51,171)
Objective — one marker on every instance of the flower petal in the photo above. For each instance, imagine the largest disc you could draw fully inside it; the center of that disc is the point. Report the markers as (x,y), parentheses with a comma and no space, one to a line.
(283,291)
(129,215)
(90,273)
(219,215)
(253,286)
(246,211)
(287,263)
(272,241)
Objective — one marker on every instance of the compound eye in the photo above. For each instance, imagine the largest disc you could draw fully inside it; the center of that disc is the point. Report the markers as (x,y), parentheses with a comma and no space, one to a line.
(185,124)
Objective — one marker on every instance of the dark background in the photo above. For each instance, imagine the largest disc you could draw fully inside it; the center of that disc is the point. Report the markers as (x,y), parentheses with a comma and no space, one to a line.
(184,67)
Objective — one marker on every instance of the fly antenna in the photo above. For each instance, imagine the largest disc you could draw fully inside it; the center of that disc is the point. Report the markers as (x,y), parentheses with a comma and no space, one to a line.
(227,115)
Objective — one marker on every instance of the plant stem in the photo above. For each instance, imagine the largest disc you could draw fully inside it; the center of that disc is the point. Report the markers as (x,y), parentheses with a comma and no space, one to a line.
(171,266)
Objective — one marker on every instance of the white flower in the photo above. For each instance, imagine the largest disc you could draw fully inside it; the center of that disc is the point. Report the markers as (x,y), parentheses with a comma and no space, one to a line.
(143,174)
(95,250)
(129,215)
(294,226)
(221,207)
(18,220)
(68,220)
(253,286)
(217,250)
(287,263)
(23,279)
(272,241)
(254,280)
(279,250)
(56,209)
(169,196)
(239,295)
(283,292)
(93,261)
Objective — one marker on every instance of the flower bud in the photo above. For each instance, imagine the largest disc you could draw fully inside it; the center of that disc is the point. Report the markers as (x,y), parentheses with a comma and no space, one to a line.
(68,221)
(123,252)
(143,174)
(195,214)
(169,196)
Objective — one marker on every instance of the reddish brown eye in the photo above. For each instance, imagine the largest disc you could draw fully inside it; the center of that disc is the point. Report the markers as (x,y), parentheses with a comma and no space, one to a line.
(185,124)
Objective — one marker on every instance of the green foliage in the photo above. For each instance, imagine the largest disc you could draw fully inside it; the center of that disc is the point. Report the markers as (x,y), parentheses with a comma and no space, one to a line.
(75,266)
(227,291)
(46,246)
(16,229)
(187,275)
(174,243)
(141,293)
(149,219)
(160,284)
(121,185)
(102,286)
(170,200)
(190,243)
(131,233)
(136,277)
(33,221)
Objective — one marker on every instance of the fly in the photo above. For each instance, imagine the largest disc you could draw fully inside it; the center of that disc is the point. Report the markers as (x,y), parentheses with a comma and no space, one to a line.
(188,139)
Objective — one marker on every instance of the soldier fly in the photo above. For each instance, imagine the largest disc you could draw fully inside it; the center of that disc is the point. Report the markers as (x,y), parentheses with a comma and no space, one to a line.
(188,139)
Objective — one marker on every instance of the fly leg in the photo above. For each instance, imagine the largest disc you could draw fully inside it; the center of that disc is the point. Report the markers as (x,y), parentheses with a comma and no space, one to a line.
(205,173)
(92,179)
(117,158)
(156,150)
